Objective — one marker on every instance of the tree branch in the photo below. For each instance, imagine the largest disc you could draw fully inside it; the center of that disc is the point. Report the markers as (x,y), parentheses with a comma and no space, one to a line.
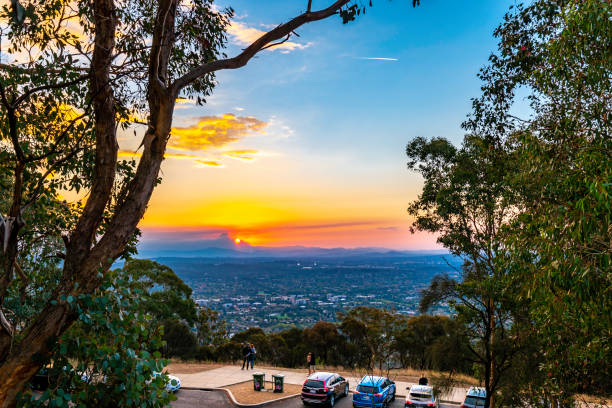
(29,92)
(243,58)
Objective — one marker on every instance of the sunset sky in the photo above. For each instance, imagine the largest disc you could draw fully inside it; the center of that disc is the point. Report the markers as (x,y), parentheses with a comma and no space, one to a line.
(305,145)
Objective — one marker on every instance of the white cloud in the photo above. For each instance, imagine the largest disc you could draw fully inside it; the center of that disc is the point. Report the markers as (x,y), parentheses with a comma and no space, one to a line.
(245,35)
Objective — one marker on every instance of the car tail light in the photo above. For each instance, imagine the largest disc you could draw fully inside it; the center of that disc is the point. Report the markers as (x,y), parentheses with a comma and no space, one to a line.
(430,404)
(378,395)
(356,392)
(325,389)
(408,401)
(463,406)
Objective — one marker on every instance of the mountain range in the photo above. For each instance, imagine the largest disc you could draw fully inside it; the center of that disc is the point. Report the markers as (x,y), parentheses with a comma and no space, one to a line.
(225,247)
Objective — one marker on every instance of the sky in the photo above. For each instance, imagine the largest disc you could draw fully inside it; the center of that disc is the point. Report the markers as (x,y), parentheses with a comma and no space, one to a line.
(305,145)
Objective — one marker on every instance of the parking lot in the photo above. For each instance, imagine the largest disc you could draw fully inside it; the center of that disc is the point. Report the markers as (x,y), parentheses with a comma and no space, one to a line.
(218,399)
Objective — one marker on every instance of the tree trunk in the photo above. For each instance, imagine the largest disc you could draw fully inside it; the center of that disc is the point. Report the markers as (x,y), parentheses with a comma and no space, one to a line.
(492,381)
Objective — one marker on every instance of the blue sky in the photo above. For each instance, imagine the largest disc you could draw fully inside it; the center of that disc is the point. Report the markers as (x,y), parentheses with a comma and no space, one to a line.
(332,125)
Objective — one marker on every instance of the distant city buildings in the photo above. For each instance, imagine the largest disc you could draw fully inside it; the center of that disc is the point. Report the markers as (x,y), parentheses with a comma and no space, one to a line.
(277,295)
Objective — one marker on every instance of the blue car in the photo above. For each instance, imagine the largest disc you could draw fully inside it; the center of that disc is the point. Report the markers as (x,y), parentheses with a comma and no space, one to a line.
(374,391)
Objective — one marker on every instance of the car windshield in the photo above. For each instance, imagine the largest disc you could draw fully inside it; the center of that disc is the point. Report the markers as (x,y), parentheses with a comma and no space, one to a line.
(313,384)
(475,401)
(367,389)
(420,396)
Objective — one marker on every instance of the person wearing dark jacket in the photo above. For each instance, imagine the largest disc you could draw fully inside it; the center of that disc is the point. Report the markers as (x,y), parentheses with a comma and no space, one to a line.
(423,380)
(310,360)
(246,356)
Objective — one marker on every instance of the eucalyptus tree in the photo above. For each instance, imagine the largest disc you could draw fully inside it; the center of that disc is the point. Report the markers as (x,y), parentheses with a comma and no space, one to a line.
(558,52)
(467,201)
(373,331)
(77,72)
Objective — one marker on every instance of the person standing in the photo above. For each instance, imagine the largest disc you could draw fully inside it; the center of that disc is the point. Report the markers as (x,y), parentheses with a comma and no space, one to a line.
(310,361)
(252,355)
(246,355)
(423,380)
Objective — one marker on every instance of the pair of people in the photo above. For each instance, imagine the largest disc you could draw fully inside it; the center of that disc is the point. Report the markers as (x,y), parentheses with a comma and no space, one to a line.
(248,355)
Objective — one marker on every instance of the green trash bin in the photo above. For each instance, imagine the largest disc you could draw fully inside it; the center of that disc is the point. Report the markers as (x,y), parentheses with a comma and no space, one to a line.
(259,381)
(278,380)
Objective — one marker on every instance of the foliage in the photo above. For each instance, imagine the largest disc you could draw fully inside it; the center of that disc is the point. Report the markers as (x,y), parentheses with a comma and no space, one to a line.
(211,330)
(105,359)
(428,342)
(180,341)
(340,344)
(373,331)
(559,246)
(163,294)
(466,200)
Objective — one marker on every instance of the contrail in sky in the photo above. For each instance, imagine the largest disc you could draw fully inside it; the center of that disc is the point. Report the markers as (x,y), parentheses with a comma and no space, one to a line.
(378,58)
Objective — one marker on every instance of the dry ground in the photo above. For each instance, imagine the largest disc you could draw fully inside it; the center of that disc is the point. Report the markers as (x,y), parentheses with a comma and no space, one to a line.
(190,367)
(244,393)
(403,374)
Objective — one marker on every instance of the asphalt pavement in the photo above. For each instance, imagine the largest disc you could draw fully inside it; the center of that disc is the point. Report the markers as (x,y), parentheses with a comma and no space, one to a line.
(218,399)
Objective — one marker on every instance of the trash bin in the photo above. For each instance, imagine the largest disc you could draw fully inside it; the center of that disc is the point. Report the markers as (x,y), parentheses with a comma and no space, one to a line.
(259,381)
(278,380)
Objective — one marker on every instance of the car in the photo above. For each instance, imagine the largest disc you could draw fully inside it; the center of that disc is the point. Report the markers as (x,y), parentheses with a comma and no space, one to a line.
(173,384)
(324,388)
(421,396)
(374,391)
(475,397)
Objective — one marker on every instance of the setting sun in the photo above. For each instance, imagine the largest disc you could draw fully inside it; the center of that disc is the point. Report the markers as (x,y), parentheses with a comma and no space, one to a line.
(237,240)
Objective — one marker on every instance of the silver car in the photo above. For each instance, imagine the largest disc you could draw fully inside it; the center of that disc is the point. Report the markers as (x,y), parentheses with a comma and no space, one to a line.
(421,396)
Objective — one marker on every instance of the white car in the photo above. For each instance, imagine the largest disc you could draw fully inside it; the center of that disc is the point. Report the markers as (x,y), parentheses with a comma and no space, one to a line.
(421,396)
(173,384)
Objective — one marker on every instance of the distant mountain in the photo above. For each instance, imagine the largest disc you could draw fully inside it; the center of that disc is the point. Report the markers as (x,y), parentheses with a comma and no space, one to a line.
(225,247)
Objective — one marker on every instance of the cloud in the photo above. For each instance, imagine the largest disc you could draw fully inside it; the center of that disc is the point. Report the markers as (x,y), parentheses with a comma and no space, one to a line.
(205,142)
(387,228)
(244,154)
(378,58)
(245,35)
(214,132)
(127,153)
(210,163)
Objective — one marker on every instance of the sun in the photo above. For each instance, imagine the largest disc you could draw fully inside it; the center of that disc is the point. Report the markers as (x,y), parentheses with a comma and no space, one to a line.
(237,240)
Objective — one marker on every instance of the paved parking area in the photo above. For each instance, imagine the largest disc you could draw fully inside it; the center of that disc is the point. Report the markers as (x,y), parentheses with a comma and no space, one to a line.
(226,375)
(192,398)
(218,399)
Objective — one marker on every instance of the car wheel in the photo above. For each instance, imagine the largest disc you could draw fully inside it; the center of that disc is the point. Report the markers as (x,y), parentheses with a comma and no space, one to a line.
(332,400)
(393,396)
(345,390)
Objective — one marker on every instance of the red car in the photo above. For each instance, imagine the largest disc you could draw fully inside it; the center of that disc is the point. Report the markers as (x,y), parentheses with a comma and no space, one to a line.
(324,388)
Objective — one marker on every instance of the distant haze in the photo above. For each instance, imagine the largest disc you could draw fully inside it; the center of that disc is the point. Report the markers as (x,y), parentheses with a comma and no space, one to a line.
(225,246)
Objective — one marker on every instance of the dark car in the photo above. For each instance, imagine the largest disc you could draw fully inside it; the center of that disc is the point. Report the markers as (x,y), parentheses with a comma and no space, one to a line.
(324,388)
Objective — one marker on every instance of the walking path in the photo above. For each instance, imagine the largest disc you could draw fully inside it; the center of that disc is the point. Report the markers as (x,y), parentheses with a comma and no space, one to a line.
(227,375)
